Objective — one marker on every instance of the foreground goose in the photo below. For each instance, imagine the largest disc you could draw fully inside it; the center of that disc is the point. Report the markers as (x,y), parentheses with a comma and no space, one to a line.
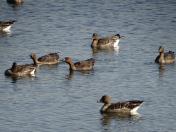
(81,65)
(49,59)
(21,70)
(165,58)
(17,2)
(126,107)
(105,42)
(6,25)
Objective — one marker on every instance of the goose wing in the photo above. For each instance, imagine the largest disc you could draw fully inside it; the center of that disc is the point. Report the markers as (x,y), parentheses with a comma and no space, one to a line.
(106,40)
(169,55)
(6,23)
(87,64)
(127,104)
(24,69)
(49,57)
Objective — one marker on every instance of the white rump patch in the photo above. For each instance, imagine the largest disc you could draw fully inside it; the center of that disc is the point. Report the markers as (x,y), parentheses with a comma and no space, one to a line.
(33,72)
(116,49)
(134,111)
(7,29)
(116,44)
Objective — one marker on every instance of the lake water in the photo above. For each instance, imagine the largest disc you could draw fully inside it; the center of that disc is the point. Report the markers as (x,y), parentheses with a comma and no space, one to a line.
(54,100)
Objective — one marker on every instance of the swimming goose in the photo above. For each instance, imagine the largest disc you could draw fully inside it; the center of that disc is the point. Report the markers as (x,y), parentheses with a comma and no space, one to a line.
(105,42)
(165,58)
(15,1)
(21,70)
(49,59)
(81,65)
(126,107)
(6,25)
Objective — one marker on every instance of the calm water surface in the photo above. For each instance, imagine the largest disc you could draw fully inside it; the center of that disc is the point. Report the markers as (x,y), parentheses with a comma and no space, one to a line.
(55,100)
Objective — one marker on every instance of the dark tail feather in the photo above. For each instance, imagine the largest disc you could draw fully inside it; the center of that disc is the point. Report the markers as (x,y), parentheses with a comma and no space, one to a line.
(171,52)
(12,21)
(137,102)
(92,60)
(134,103)
(34,60)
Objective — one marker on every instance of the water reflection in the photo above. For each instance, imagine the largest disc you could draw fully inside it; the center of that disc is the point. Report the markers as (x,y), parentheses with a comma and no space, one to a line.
(71,73)
(4,34)
(107,50)
(161,70)
(16,6)
(107,119)
(48,66)
(15,79)
(165,68)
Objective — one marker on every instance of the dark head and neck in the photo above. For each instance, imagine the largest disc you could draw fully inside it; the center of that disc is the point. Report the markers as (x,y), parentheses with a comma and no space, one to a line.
(34,58)
(161,55)
(94,40)
(69,61)
(105,99)
(13,68)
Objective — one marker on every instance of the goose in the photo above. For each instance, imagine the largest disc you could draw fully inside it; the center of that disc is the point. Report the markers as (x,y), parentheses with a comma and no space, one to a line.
(81,65)
(49,59)
(105,42)
(6,25)
(165,58)
(21,70)
(125,107)
(17,2)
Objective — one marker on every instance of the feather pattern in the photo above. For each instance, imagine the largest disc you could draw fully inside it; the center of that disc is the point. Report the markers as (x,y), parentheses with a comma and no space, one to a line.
(81,65)
(21,70)
(126,107)
(165,57)
(6,25)
(126,104)
(49,59)
(15,1)
(105,42)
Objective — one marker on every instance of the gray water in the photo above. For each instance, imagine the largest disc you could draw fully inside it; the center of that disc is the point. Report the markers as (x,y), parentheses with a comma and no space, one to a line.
(54,100)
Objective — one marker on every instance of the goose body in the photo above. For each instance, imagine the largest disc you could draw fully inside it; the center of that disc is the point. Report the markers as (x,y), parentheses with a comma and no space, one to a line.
(81,65)
(6,25)
(105,42)
(165,57)
(49,59)
(126,107)
(21,70)
(17,2)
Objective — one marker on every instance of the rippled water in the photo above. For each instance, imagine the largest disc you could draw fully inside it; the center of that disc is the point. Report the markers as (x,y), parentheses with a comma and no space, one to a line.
(54,100)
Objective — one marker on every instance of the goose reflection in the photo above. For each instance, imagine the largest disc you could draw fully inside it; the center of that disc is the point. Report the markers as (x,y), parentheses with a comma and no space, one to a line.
(54,66)
(4,34)
(108,50)
(108,118)
(72,73)
(15,79)
(161,70)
